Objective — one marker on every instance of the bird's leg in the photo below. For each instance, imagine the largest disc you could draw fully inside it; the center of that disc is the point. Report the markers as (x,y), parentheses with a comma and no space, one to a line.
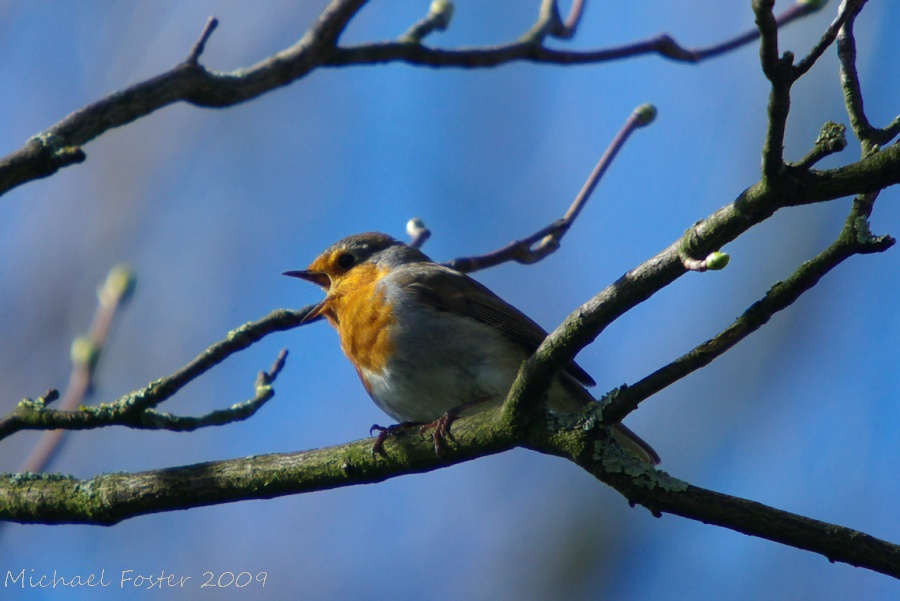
(441,425)
(384,433)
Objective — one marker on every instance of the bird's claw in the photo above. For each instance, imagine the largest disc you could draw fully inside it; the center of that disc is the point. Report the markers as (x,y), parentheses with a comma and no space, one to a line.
(385,432)
(441,431)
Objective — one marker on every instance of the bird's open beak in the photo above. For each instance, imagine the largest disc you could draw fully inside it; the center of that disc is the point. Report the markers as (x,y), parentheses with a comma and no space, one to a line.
(316,277)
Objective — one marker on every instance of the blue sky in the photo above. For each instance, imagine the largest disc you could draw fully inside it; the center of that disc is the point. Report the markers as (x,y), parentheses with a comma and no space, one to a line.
(210,207)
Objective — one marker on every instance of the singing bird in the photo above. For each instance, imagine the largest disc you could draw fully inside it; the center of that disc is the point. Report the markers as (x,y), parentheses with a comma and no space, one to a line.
(430,343)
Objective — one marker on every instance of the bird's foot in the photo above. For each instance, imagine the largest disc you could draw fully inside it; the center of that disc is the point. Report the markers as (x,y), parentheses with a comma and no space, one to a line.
(441,430)
(384,433)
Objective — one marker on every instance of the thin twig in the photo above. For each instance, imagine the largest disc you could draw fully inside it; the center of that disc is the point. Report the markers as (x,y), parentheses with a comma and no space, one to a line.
(855,239)
(418,233)
(570,25)
(853,98)
(112,296)
(518,251)
(832,139)
(779,72)
(826,40)
(200,44)
(537,246)
(438,19)
(156,420)
(792,13)
(131,410)
(889,132)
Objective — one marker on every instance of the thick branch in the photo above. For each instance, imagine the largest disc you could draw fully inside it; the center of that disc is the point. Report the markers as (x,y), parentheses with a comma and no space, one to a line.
(111,498)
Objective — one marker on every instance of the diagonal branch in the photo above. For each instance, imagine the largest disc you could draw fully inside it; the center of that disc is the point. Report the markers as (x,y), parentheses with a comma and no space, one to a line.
(854,239)
(34,415)
(853,98)
(827,39)
(546,240)
(115,293)
(753,206)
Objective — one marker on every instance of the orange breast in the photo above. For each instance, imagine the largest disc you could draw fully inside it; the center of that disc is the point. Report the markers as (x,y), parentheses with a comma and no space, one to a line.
(363,317)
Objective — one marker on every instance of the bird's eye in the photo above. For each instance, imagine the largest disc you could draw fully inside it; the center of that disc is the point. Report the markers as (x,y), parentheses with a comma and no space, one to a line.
(346,261)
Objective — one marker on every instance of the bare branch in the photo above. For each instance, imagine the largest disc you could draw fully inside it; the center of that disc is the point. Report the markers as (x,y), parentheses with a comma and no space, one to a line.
(853,98)
(60,145)
(208,29)
(827,38)
(328,28)
(855,239)
(134,410)
(550,23)
(438,19)
(779,71)
(115,293)
(519,251)
(570,25)
(832,138)
(155,420)
(546,241)
(754,205)
(529,48)
(889,132)
(799,9)
(110,498)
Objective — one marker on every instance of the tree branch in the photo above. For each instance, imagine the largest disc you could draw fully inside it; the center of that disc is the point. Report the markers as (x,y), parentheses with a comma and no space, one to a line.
(855,239)
(85,353)
(753,206)
(546,240)
(583,439)
(60,145)
(135,410)
(110,498)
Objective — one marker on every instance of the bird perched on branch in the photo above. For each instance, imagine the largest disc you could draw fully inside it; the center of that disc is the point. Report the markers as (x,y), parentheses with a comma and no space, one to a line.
(430,343)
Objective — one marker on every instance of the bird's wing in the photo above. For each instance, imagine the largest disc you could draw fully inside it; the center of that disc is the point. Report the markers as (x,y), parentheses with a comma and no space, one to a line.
(450,290)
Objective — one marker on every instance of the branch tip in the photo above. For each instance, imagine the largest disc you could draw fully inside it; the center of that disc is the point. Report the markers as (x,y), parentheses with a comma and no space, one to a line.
(440,13)
(118,287)
(832,139)
(49,396)
(266,378)
(418,232)
(644,115)
(713,262)
(200,45)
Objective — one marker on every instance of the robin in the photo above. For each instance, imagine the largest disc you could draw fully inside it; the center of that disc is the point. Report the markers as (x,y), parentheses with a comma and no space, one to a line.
(430,343)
